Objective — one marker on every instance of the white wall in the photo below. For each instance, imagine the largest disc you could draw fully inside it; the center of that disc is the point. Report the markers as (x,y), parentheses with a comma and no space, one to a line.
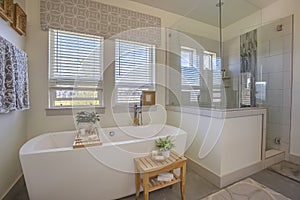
(197,127)
(12,126)
(222,145)
(36,47)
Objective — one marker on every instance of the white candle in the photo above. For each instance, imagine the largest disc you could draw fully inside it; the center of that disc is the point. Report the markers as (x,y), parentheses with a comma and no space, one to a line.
(82,131)
(154,153)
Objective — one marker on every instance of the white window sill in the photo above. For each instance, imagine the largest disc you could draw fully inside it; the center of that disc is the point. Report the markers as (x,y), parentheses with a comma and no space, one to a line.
(73,110)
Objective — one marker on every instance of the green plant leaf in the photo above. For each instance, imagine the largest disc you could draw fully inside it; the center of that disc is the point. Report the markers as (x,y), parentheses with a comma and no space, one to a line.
(84,116)
(165,144)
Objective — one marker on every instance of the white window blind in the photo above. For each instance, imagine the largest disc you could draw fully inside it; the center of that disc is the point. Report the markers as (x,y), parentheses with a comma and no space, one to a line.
(190,72)
(75,56)
(134,70)
(217,80)
(212,64)
(75,69)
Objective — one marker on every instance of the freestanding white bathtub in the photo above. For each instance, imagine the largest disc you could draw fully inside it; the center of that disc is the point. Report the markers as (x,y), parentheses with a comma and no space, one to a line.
(54,170)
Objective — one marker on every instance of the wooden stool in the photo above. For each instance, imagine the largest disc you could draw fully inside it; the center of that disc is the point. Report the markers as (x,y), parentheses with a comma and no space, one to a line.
(150,168)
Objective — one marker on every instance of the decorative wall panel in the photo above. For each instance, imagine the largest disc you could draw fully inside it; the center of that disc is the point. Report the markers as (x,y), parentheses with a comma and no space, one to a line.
(248,49)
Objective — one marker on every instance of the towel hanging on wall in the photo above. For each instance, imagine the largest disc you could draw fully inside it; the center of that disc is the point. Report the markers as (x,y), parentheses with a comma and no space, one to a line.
(14,94)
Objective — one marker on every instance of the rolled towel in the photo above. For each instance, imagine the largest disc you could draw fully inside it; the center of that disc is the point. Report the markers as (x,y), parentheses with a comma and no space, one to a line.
(159,158)
(166,175)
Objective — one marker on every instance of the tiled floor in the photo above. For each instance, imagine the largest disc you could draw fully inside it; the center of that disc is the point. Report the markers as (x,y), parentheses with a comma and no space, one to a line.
(287,169)
(18,192)
(279,183)
(196,188)
(246,189)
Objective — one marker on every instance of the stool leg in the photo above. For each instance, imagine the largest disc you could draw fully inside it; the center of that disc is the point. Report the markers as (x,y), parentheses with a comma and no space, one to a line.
(146,186)
(137,185)
(182,177)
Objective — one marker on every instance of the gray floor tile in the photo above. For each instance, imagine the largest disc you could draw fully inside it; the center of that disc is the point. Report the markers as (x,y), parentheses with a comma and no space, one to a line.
(196,188)
(279,183)
(18,192)
(287,169)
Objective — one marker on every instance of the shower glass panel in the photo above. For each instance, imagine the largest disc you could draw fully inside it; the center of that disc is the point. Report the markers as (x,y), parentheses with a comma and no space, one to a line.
(205,66)
(248,65)
(193,44)
(240,52)
(193,69)
(274,79)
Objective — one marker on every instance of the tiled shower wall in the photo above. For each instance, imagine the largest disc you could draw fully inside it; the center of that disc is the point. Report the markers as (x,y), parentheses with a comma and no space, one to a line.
(274,67)
(232,65)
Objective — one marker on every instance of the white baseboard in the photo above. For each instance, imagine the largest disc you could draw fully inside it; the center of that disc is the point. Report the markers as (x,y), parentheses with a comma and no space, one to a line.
(12,185)
(294,159)
(202,171)
(274,159)
(240,174)
(223,181)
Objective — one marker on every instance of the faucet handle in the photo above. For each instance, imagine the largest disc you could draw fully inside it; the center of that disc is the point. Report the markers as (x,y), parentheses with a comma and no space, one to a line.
(141,100)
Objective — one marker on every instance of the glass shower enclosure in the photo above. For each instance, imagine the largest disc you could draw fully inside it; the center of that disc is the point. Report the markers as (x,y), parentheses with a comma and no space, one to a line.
(233,60)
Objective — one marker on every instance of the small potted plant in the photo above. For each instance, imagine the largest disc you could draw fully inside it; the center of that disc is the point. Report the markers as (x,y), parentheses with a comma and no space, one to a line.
(165,145)
(86,120)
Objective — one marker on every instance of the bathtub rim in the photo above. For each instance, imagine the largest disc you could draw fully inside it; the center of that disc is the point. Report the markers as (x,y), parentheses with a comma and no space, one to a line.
(27,149)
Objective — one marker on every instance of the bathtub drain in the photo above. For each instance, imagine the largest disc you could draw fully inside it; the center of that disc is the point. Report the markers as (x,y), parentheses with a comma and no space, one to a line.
(111,133)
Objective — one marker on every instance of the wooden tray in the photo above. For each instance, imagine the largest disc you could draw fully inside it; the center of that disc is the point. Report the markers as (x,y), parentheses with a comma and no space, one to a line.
(85,141)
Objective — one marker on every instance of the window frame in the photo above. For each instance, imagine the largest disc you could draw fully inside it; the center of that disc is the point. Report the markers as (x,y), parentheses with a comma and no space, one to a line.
(193,90)
(73,84)
(137,87)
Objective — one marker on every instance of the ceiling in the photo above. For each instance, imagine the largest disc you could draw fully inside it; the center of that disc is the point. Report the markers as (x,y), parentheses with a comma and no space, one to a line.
(206,10)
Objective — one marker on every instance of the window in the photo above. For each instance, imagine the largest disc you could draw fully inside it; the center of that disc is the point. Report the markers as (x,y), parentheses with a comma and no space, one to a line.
(134,70)
(190,73)
(195,74)
(212,64)
(75,69)
(209,60)
(217,80)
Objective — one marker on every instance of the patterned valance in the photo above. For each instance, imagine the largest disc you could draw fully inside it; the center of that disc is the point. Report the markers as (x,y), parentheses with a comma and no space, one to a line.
(14,94)
(86,16)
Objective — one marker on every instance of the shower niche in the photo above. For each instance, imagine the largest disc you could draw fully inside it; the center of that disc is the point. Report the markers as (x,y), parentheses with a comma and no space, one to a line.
(248,57)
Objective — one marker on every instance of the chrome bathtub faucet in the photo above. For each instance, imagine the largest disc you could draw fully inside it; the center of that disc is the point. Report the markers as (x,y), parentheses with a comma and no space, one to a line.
(137,113)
